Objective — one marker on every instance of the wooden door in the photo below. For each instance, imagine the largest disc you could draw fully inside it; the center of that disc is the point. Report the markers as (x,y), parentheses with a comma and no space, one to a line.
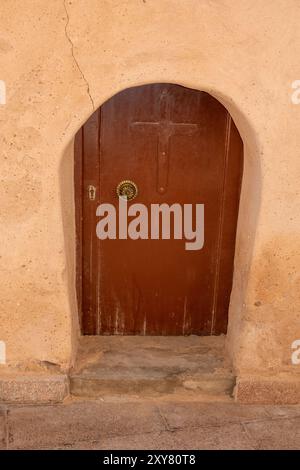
(178,146)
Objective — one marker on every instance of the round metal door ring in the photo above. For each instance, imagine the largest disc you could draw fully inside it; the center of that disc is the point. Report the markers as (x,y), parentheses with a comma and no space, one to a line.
(127,190)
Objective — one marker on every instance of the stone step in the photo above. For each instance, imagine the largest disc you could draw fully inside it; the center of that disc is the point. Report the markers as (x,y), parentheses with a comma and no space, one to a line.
(150,365)
(121,383)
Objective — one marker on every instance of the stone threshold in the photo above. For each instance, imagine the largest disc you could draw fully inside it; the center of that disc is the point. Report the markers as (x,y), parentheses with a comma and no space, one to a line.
(151,366)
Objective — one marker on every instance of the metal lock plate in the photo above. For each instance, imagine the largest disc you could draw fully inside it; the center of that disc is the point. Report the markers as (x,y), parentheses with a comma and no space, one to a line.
(91,192)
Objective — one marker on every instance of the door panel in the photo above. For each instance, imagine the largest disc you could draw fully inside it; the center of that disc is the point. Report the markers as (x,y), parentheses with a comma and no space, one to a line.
(179,146)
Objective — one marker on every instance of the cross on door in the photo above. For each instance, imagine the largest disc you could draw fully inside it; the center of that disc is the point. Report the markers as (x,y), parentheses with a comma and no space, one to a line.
(164,130)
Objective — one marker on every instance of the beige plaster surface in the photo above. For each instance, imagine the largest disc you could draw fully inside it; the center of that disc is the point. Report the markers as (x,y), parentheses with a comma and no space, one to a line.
(60,61)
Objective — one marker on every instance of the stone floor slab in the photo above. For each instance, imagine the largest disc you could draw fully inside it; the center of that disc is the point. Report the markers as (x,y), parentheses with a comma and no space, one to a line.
(95,424)
(158,441)
(279,411)
(227,437)
(62,425)
(278,434)
(193,414)
(206,438)
(3,429)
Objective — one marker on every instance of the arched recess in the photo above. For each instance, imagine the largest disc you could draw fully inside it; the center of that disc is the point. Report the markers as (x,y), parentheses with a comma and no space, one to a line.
(246,226)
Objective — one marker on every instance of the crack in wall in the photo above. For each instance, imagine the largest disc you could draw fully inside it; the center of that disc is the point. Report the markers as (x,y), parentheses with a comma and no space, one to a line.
(74,58)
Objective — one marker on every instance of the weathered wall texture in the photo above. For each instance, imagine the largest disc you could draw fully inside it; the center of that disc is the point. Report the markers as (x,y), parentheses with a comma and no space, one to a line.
(60,60)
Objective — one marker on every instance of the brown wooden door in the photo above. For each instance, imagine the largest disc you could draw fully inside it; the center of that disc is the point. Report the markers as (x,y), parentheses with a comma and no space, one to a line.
(179,146)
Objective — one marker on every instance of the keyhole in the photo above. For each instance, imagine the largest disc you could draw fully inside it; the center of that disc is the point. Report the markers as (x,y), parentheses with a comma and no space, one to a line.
(92,192)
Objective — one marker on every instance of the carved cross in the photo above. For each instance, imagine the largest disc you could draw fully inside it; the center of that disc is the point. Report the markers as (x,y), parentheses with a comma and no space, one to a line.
(164,130)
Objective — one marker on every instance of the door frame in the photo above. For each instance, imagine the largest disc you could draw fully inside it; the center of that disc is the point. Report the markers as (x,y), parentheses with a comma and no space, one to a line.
(79,211)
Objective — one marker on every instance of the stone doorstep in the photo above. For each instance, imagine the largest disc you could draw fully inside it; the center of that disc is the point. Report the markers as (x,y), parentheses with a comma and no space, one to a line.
(159,365)
(91,386)
(34,389)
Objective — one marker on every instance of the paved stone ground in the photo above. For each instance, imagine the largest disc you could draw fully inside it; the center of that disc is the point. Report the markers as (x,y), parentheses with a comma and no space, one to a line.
(154,424)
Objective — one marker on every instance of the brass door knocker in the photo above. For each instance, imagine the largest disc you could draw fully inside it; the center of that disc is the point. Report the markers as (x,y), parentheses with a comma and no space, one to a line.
(127,190)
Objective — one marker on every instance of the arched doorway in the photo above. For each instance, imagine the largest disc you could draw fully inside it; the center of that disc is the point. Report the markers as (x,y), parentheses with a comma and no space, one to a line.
(173,145)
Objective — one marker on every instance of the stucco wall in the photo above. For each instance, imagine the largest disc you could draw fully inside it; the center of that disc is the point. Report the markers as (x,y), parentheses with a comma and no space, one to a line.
(60,60)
